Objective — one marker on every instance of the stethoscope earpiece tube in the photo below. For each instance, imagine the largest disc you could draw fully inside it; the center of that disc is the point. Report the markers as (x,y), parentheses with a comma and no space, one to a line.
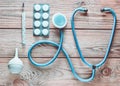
(111,37)
(110,41)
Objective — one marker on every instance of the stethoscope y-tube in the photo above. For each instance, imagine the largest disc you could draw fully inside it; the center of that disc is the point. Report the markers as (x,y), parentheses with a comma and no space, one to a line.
(60,48)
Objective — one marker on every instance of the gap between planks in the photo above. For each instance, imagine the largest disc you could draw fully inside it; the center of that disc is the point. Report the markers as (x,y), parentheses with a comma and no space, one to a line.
(11,13)
(93,43)
(59,72)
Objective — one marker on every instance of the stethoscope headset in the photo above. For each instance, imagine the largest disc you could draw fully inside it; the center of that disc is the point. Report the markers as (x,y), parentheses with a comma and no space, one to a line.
(60,47)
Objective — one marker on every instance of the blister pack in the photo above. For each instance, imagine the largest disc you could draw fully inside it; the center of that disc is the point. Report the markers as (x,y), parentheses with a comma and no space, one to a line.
(41,22)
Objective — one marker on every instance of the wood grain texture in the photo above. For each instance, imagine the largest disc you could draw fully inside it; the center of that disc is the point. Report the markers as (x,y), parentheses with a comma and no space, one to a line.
(11,13)
(60,74)
(93,31)
(93,43)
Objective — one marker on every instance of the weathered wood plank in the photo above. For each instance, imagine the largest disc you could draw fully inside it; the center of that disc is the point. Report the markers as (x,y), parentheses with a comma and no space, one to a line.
(93,43)
(93,32)
(60,74)
(10,13)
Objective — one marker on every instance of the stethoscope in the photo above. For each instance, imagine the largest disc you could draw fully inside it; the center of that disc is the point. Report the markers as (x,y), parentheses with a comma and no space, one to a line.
(60,47)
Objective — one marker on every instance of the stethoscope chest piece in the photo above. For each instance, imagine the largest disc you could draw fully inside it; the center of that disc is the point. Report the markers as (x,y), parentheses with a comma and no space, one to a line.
(59,20)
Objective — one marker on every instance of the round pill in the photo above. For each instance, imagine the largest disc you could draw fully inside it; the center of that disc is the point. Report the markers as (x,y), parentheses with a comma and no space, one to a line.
(37,7)
(45,23)
(37,32)
(45,7)
(45,32)
(37,24)
(45,15)
(37,15)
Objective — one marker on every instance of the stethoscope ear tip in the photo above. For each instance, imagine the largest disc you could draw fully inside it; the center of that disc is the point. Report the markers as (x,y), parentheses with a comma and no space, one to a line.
(85,9)
(106,9)
(102,10)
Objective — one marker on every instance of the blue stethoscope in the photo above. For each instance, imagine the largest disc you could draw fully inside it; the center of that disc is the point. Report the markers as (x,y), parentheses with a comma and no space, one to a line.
(60,47)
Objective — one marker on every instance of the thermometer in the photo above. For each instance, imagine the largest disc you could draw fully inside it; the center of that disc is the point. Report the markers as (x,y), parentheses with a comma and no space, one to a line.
(23,26)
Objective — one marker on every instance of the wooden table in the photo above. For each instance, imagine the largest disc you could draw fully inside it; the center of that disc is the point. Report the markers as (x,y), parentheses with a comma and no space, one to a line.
(93,31)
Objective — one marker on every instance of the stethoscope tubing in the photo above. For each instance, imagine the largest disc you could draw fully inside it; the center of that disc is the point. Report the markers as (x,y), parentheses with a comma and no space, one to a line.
(60,48)
(45,42)
(77,43)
